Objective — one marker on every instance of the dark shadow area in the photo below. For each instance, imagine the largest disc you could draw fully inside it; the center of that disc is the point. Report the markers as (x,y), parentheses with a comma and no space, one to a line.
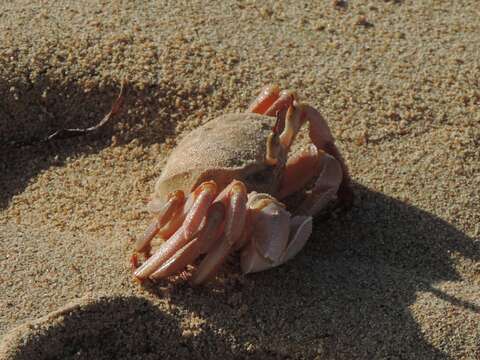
(347,295)
(18,165)
(34,110)
(114,328)
(27,117)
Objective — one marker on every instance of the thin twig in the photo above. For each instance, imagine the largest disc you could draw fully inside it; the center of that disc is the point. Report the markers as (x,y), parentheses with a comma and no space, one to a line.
(68,133)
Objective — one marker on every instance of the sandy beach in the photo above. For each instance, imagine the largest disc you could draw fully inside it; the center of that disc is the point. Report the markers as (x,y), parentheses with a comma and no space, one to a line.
(396,277)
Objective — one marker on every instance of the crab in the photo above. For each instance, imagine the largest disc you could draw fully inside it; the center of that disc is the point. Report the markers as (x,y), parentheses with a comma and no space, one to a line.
(226,188)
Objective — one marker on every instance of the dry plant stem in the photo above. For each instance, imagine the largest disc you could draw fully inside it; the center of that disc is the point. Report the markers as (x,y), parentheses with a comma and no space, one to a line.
(68,133)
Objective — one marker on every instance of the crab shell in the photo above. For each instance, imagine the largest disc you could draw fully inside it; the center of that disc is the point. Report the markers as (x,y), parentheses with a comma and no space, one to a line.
(232,146)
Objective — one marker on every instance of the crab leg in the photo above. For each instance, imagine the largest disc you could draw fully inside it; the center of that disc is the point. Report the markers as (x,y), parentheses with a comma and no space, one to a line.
(282,103)
(309,164)
(201,244)
(164,214)
(204,195)
(299,170)
(235,199)
(268,95)
(293,123)
(321,137)
(168,227)
(178,217)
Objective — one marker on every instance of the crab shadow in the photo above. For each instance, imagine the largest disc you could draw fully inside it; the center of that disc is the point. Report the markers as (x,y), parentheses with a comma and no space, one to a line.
(108,328)
(347,295)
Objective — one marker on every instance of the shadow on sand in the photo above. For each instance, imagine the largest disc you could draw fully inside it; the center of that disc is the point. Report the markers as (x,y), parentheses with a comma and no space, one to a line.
(350,301)
(27,118)
(107,328)
(347,295)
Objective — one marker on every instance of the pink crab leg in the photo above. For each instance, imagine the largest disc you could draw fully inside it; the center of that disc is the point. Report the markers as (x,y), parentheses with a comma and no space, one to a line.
(319,131)
(194,248)
(268,95)
(177,219)
(300,169)
(205,194)
(293,123)
(303,167)
(321,136)
(282,103)
(235,198)
(175,200)
(176,241)
(179,216)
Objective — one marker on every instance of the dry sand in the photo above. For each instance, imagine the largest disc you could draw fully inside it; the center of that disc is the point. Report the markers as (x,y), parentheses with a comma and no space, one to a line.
(398,277)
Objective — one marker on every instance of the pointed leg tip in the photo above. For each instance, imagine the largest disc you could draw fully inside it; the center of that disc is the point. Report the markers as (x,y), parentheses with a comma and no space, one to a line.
(138,280)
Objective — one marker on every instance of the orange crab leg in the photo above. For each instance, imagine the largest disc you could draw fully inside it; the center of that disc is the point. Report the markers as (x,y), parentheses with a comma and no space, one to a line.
(179,216)
(167,249)
(235,198)
(293,123)
(299,170)
(321,136)
(282,103)
(205,194)
(268,95)
(164,214)
(312,164)
(194,248)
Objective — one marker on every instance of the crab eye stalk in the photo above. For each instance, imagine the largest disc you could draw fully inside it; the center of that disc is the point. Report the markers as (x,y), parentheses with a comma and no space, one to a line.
(293,122)
(273,150)
(273,142)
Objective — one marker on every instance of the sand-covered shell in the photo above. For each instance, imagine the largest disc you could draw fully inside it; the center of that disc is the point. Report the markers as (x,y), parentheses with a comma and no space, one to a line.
(232,146)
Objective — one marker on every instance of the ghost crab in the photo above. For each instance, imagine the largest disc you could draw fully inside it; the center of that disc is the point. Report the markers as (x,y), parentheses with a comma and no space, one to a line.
(221,188)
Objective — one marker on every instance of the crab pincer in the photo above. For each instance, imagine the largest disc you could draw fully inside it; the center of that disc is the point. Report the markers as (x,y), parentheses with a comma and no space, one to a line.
(275,235)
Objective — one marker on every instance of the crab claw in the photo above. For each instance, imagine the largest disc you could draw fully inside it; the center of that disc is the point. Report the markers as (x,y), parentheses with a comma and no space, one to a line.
(305,166)
(275,237)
